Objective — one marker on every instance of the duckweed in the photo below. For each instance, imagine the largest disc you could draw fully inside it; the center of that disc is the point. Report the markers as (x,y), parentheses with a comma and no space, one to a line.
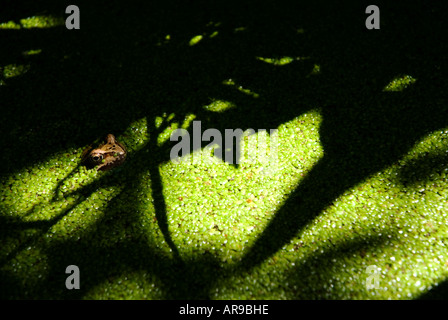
(354,178)
(400,83)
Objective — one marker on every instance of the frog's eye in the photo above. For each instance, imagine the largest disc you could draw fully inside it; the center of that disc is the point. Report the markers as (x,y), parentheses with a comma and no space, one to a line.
(96,158)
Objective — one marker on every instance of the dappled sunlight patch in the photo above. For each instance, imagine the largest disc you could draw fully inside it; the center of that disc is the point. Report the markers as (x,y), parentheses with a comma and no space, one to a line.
(11,25)
(298,151)
(210,34)
(231,82)
(32,52)
(166,133)
(216,207)
(213,34)
(400,83)
(219,106)
(44,21)
(187,120)
(195,40)
(14,70)
(239,29)
(159,120)
(136,135)
(281,61)
(166,126)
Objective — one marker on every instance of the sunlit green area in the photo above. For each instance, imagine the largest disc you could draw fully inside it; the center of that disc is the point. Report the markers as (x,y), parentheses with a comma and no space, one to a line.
(40,22)
(350,190)
(400,83)
(32,52)
(219,106)
(278,62)
(231,82)
(12,70)
(195,40)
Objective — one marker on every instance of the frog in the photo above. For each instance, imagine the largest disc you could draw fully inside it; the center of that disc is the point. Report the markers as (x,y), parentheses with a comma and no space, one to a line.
(108,155)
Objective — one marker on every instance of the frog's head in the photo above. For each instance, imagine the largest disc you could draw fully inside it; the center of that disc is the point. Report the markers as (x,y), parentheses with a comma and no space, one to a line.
(96,156)
(105,156)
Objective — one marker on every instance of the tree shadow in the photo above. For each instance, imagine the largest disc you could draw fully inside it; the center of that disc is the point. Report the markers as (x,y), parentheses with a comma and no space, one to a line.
(111,74)
(423,169)
(440,292)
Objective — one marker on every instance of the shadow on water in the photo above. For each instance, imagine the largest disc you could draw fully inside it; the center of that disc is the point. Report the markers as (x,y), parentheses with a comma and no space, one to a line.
(132,62)
(439,292)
